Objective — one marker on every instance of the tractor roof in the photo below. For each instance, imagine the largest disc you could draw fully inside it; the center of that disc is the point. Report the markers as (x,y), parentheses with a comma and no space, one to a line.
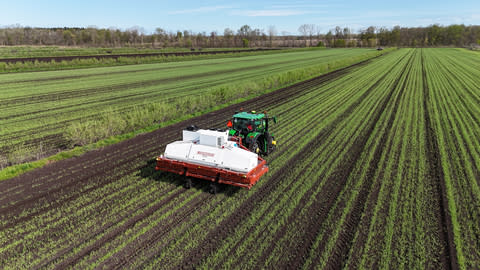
(247,115)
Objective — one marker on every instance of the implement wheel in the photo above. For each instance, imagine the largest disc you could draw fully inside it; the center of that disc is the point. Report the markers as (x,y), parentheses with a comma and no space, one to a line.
(188,183)
(213,188)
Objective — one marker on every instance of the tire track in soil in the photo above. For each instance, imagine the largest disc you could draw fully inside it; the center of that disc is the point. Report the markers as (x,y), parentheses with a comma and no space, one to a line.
(445,226)
(103,168)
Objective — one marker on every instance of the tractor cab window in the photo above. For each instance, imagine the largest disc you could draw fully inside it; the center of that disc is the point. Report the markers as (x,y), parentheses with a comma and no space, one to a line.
(240,123)
(260,124)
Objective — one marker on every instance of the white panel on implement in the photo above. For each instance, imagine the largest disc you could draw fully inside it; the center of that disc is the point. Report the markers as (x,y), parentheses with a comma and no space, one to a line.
(190,135)
(213,149)
(178,150)
(212,137)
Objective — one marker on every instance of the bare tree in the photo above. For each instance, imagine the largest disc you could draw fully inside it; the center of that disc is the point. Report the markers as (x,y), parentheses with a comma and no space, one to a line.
(303,29)
(311,31)
(318,30)
(307,30)
(272,32)
(213,37)
(347,33)
(285,38)
(245,32)
(338,33)
(228,36)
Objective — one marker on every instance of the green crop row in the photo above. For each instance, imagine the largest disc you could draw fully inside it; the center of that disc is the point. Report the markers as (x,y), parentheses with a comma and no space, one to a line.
(453,81)
(48,51)
(78,63)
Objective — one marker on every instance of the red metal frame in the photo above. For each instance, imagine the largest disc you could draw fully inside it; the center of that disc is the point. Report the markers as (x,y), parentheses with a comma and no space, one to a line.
(245,180)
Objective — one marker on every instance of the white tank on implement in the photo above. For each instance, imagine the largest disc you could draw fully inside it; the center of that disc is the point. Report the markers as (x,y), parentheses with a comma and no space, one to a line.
(211,148)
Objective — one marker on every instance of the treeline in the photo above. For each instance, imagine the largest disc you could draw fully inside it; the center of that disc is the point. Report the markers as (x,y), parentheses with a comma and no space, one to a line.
(434,35)
(132,37)
(310,35)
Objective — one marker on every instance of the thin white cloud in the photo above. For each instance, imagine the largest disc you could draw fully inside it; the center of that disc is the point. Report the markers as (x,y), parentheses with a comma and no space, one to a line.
(270,13)
(300,6)
(199,10)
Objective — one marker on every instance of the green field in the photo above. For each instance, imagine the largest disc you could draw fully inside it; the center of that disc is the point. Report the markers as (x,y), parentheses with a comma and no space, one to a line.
(49,51)
(37,107)
(377,167)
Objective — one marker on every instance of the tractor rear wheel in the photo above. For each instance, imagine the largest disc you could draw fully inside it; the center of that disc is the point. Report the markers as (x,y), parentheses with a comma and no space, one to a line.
(255,148)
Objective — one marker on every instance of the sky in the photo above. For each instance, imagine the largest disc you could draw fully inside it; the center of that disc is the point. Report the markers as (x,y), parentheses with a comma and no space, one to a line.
(208,16)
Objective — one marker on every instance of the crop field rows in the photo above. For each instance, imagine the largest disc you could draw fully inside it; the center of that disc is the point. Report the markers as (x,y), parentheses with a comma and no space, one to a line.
(37,106)
(377,167)
(20,52)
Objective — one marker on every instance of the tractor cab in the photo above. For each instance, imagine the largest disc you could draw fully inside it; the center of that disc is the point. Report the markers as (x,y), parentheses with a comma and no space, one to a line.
(253,129)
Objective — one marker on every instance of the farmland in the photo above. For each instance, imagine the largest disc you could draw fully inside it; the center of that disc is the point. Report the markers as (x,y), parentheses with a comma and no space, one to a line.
(8,52)
(377,166)
(37,107)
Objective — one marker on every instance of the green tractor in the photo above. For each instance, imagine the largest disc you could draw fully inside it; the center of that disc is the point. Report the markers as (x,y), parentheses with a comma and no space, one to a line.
(253,130)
